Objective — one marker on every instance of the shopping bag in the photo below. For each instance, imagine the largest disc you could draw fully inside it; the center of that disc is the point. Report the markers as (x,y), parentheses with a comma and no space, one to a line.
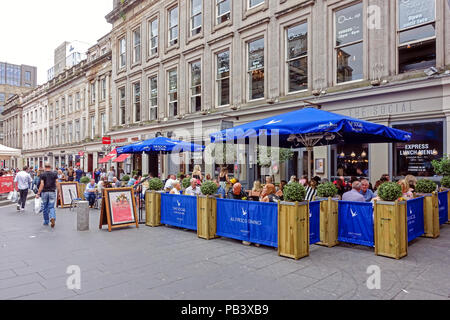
(10,195)
(15,196)
(37,205)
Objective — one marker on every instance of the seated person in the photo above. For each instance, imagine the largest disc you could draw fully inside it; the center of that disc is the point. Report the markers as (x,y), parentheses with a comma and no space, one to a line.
(132,181)
(255,193)
(91,192)
(176,187)
(220,190)
(365,190)
(279,193)
(194,189)
(116,183)
(236,193)
(269,194)
(355,194)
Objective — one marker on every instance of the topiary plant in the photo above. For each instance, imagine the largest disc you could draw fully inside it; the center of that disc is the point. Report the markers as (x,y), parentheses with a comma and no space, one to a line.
(327,190)
(294,192)
(442,166)
(85,180)
(390,191)
(426,186)
(186,183)
(445,182)
(155,184)
(126,178)
(209,188)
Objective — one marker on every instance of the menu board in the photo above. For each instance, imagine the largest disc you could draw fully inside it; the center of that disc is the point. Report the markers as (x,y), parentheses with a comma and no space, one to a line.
(349,24)
(416,12)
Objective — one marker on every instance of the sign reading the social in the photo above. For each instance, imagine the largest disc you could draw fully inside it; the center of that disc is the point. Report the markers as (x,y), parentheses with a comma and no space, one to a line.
(179,211)
(356,223)
(416,12)
(349,24)
(415,218)
(254,222)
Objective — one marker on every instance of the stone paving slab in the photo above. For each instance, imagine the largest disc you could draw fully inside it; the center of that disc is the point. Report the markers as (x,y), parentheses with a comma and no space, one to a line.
(170,263)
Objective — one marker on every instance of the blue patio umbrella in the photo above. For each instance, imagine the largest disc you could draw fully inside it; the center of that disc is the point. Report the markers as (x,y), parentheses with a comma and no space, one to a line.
(310,127)
(160,145)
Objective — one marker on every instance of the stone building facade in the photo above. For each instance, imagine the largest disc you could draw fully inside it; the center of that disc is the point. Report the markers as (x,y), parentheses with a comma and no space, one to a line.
(229,62)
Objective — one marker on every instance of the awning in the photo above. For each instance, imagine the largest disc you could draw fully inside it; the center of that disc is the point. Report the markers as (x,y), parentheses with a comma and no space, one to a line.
(122,157)
(109,157)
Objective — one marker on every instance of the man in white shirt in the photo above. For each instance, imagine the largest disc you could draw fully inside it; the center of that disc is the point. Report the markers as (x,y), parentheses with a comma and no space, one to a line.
(169,183)
(23,180)
(193,190)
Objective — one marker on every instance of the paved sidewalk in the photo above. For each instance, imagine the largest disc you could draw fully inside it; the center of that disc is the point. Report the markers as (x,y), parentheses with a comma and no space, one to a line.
(169,263)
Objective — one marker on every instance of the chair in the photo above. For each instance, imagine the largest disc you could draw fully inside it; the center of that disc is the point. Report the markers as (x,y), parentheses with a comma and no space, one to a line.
(98,201)
(73,201)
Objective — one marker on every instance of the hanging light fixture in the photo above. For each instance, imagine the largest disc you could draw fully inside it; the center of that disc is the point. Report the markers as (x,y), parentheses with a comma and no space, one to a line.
(342,155)
(353,155)
(364,154)
(435,152)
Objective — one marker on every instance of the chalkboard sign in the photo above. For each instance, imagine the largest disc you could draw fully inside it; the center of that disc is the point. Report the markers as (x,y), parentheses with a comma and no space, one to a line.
(118,208)
(416,12)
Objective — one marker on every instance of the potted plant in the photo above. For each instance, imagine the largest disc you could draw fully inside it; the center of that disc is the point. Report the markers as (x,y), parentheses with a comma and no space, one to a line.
(186,183)
(427,188)
(153,202)
(125,179)
(293,223)
(390,221)
(207,211)
(84,181)
(327,193)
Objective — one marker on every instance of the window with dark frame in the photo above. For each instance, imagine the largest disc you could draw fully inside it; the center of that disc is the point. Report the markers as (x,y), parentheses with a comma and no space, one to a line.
(297,57)
(256,69)
(137,101)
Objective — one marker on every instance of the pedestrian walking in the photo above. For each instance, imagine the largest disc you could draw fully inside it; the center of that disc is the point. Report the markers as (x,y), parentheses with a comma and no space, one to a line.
(23,180)
(47,190)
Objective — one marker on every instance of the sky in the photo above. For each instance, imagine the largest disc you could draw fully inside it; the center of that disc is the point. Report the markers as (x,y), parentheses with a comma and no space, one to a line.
(30,30)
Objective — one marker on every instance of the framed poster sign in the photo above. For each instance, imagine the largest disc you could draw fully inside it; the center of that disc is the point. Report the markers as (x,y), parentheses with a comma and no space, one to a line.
(320,166)
(118,208)
(67,192)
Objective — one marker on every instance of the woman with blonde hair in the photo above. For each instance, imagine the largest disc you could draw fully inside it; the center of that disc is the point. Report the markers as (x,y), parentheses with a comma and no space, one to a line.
(406,190)
(197,173)
(255,193)
(411,181)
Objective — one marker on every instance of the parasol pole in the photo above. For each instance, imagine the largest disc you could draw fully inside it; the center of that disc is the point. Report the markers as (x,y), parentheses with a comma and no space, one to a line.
(310,150)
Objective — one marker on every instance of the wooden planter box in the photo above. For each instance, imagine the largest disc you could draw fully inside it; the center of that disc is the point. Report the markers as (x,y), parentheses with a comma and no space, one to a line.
(206,217)
(328,222)
(431,215)
(153,208)
(293,230)
(443,190)
(391,229)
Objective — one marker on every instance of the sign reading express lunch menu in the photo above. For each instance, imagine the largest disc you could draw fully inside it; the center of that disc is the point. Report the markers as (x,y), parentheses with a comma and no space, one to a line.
(349,24)
(416,12)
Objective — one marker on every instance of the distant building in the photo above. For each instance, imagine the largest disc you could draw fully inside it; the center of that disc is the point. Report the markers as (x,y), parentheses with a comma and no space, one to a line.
(67,55)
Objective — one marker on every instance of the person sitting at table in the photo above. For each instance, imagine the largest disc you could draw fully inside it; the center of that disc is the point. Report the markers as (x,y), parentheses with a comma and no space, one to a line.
(406,190)
(132,181)
(354,195)
(176,187)
(280,191)
(220,190)
(194,189)
(255,193)
(236,193)
(116,183)
(365,190)
(311,190)
(90,193)
(269,193)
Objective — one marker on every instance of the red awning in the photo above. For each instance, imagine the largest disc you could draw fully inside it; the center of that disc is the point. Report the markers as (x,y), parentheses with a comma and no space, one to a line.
(109,157)
(122,158)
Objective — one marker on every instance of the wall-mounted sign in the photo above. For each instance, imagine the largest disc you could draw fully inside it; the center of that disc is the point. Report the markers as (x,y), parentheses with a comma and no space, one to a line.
(416,12)
(106,140)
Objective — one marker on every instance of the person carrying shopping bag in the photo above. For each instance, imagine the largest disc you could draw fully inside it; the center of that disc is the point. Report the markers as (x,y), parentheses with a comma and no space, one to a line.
(23,180)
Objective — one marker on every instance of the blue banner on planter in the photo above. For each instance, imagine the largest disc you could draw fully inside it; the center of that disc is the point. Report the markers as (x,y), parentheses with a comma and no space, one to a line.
(314,222)
(414,214)
(443,207)
(179,211)
(356,223)
(255,222)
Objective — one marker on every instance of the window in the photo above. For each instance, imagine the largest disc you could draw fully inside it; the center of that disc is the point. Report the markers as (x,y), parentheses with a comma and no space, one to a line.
(27,76)
(63,134)
(137,101)
(349,43)
(137,46)
(2,97)
(103,121)
(93,87)
(45,113)
(85,129)
(92,127)
(51,111)
(352,160)
(70,104)
(77,101)
(70,132)
(196,86)
(153,43)
(415,157)
(196,17)
(63,106)
(153,89)
(122,53)
(223,10)
(223,78)
(297,57)
(173,93)
(103,89)
(56,109)
(173,26)
(254,3)
(122,106)
(51,136)
(77,130)
(256,69)
(417,34)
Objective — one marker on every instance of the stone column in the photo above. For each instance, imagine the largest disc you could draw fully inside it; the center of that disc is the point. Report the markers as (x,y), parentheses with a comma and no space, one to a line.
(83,216)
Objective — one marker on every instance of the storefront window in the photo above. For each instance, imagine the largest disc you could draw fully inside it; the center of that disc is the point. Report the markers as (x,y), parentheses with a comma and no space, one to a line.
(352,160)
(415,156)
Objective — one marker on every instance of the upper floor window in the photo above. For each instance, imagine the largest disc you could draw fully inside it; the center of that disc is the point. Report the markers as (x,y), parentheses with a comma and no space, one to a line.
(223,78)
(27,76)
(103,121)
(77,130)
(137,45)
(122,53)
(173,92)
(93,88)
(153,32)
(56,109)
(153,89)
(297,57)
(254,3)
(223,10)
(349,43)
(137,101)
(416,34)
(103,89)
(70,104)
(196,17)
(196,86)
(63,106)
(173,26)
(256,69)
(77,101)
(92,127)
(122,106)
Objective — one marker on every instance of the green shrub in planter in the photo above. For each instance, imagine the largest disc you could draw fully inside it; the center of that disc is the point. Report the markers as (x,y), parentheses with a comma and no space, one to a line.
(327,190)
(390,191)
(126,178)
(445,182)
(294,192)
(155,184)
(209,188)
(186,183)
(442,167)
(85,180)
(426,186)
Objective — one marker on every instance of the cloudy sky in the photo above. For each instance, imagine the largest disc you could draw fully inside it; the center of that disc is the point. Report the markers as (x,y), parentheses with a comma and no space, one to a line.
(30,30)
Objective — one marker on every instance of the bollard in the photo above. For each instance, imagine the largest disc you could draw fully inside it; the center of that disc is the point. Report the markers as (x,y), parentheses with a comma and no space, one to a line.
(83,216)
